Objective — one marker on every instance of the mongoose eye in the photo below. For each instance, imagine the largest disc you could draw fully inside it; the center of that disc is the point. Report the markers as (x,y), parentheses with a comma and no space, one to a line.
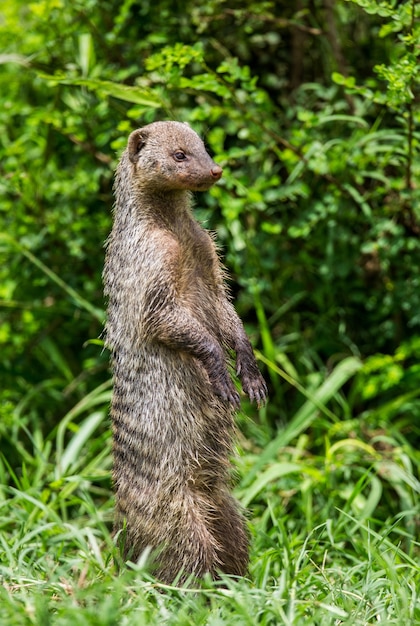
(180,156)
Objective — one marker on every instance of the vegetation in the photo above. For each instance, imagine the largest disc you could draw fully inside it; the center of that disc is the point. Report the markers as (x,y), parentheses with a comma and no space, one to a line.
(313,109)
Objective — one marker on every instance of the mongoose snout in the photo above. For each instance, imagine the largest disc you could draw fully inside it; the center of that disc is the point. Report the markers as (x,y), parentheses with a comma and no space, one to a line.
(216,172)
(172,332)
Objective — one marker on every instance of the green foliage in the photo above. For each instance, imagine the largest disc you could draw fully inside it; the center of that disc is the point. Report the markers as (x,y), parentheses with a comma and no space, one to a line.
(312,110)
(333,531)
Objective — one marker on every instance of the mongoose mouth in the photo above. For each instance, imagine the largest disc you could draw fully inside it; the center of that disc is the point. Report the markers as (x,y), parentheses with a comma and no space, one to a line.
(205,186)
(215,173)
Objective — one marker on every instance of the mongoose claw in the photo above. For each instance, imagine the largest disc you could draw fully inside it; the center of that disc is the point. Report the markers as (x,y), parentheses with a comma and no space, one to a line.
(256,390)
(228,393)
(253,383)
(235,400)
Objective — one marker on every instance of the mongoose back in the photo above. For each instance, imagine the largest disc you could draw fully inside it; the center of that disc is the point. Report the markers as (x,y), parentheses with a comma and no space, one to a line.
(171,329)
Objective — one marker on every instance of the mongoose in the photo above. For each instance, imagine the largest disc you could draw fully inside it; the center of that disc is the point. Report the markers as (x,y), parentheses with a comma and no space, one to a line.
(171,329)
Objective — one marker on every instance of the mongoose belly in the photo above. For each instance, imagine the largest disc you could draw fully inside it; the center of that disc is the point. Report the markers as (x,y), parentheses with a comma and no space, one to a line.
(150,429)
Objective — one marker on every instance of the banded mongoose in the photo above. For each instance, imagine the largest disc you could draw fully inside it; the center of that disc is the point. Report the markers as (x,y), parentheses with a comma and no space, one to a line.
(171,329)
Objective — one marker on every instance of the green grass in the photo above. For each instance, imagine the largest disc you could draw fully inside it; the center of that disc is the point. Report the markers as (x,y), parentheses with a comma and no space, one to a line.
(333,511)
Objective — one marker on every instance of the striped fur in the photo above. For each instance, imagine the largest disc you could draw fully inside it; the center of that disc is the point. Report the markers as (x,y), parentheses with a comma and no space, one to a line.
(171,329)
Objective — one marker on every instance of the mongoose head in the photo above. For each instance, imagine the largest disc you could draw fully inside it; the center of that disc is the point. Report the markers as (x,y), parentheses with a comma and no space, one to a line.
(170,156)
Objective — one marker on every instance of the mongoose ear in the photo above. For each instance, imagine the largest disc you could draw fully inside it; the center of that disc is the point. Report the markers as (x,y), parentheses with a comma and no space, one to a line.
(136,141)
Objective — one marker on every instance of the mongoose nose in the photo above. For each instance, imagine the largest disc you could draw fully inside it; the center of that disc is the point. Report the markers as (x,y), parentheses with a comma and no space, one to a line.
(216,171)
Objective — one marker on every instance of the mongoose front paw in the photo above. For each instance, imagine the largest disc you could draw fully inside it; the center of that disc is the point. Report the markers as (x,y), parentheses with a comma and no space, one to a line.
(253,383)
(255,388)
(225,389)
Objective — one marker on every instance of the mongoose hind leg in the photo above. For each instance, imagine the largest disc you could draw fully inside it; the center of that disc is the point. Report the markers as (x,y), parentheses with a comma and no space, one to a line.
(212,536)
(182,544)
(229,530)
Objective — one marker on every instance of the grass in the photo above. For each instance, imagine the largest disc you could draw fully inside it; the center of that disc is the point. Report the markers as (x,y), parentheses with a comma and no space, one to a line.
(333,510)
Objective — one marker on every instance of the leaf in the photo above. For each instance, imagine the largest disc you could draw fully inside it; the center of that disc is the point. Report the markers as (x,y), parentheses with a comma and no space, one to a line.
(350,443)
(86,52)
(71,453)
(396,474)
(101,395)
(358,198)
(308,412)
(128,93)
(343,118)
(76,297)
(276,470)
(14,58)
